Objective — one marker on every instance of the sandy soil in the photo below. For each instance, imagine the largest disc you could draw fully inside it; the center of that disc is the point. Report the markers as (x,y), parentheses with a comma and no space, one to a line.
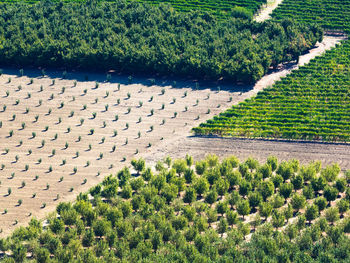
(306,152)
(266,10)
(163,139)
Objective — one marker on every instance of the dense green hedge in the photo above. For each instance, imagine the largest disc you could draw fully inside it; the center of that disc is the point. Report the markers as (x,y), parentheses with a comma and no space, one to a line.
(202,212)
(137,38)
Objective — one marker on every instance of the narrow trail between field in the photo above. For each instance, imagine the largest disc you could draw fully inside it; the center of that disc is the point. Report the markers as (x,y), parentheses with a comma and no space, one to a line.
(266,10)
(320,48)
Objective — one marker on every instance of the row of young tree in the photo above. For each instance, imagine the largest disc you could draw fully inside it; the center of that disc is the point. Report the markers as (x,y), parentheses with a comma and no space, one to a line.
(138,38)
(183,211)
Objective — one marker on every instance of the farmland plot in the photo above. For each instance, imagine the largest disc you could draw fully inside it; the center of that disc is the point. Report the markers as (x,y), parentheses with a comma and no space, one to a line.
(220,8)
(59,136)
(72,107)
(196,209)
(330,14)
(312,103)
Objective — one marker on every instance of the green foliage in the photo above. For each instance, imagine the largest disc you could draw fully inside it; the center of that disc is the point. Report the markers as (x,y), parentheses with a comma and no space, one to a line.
(201,167)
(265,209)
(329,14)
(255,199)
(343,206)
(222,207)
(201,186)
(321,203)
(330,173)
(298,201)
(330,193)
(311,212)
(139,165)
(297,181)
(318,183)
(243,208)
(266,189)
(221,9)
(190,195)
(211,197)
(286,190)
(314,89)
(244,188)
(123,176)
(167,219)
(277,219)
(332,214)
(186,43)
(180,167)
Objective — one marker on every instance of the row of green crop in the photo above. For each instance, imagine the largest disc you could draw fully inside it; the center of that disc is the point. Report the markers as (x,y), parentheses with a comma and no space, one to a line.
(304,105)
(221,8)
(292,134)
(333,14)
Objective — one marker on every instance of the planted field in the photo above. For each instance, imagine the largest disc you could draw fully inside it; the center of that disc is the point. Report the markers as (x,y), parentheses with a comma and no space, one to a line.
(312,103)
(220,8)
(331,14)
(207,211)
(75,118)
(59,136)
(126,37)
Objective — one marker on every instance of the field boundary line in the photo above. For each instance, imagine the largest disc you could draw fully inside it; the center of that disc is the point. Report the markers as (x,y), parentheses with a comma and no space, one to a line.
(270,139)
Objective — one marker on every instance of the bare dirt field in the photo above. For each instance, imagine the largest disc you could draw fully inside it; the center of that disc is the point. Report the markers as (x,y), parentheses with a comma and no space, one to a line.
(97,126)
(306,152)
(117,133)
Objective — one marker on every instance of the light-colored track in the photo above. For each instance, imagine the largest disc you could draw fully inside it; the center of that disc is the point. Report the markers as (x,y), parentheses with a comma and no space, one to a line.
(266,10)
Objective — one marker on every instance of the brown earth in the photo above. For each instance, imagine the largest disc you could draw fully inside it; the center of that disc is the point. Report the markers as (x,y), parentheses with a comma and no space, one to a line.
(306,152)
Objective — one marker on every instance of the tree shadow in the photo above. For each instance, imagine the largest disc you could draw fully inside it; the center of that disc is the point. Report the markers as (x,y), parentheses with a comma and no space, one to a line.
(147,80)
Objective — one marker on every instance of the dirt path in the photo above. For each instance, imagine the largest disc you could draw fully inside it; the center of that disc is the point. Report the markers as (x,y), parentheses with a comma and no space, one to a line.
(269,79)
(266,10)
(198,147)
